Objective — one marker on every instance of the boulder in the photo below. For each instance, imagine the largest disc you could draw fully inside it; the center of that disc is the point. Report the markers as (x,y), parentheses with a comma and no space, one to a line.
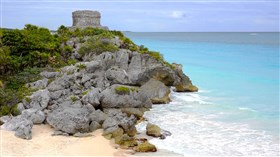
(143,67)
(20,125)
(146,147)
(126,141)
(57,94)
(156,91)
(122,58)
(185,84)
(60,83)
(137,112)
(20,107)
(118,96)
(15,122)
(49,75)
(35,115)
(24,130)
(70,119)
(118,119)
(39,99)
(164,133)
(92,97)
(110,122)
(117,76)
(4,119)
(113,132)
(97,116)
(94,126)
(153,130)
(92,66)
(40,84)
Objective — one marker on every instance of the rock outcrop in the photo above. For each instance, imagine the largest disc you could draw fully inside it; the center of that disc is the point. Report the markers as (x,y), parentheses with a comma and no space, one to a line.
(156,91)
(153,130)
(108,90)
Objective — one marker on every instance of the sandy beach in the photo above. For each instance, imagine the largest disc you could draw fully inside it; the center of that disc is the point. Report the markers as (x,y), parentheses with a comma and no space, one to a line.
(43,144)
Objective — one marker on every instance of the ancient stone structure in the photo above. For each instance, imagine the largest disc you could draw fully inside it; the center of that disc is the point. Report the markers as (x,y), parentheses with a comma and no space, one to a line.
(86,18)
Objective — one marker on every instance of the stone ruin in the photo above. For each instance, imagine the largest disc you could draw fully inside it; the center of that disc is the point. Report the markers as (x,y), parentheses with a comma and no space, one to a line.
(86,18)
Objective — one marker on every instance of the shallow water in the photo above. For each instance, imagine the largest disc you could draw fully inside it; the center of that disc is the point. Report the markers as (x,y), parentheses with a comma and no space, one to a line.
(236,111)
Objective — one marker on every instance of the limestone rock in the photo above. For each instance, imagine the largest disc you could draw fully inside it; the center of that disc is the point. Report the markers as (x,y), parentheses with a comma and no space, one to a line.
(20,107)
(94,126)
(118,119)
(39,99)
(137,112)
(114,131)
(117,76)
(69,119)
(4,119)
(24,130)
(146,147)
(126,141)
(35,115)
(156,91)
(20,125)
(49,75)
(132,99)
(40,84)
(153,130)
(60,83)
(98,116)
(92,97)
(185,84)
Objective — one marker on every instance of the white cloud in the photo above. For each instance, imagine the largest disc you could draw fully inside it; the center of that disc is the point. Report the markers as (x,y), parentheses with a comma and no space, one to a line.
(177,14)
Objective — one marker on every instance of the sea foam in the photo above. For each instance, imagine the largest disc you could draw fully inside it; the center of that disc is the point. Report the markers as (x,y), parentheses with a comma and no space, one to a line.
(198,134)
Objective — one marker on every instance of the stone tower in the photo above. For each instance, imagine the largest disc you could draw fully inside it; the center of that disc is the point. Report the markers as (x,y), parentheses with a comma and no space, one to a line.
(86,18)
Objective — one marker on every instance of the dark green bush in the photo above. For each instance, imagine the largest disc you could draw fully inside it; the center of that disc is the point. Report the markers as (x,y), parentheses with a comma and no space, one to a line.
(96,46)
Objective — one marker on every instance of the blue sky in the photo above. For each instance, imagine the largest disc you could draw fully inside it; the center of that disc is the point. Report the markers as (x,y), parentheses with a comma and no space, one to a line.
(149,15)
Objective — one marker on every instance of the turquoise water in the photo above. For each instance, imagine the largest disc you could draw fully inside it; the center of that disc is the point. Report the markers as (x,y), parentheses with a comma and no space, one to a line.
(236,111)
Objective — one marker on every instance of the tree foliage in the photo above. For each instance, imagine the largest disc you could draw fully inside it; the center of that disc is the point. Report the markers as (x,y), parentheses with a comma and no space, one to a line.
(29,47)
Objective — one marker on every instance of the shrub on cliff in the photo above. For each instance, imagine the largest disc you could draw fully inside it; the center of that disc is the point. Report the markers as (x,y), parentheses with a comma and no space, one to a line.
(97,46)
(29,47)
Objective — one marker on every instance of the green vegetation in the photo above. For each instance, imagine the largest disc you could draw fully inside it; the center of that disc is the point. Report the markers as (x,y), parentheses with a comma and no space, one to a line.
(97,46)
(73,98)
(14,89)
(85,92)
(124,90)
(30,47)
(25,53)
(81,66)
(5,110)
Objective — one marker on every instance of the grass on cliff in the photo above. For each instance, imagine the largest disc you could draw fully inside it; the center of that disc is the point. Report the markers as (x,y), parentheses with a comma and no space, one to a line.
(124,90)
(97,46)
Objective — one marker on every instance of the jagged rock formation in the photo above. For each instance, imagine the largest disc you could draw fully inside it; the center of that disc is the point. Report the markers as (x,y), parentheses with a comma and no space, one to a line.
(86,18)
(109,90)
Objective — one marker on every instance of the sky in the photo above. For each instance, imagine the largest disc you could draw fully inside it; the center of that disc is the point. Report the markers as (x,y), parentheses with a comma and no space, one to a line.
(149,15)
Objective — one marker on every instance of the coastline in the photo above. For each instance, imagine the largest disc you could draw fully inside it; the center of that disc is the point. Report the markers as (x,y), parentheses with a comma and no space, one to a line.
(44,144)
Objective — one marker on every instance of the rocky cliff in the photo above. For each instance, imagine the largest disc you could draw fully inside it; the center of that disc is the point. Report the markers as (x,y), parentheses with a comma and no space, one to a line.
(106,89)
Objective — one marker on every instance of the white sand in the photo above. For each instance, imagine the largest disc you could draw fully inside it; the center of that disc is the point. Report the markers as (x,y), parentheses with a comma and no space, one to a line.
(43,144)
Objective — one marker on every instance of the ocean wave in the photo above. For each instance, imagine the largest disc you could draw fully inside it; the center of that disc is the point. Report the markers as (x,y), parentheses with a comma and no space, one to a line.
(195,134)
(247,109)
